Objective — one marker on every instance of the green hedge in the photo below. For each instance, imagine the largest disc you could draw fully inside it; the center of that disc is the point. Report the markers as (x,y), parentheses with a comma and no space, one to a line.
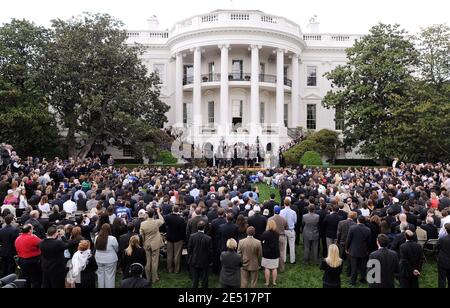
(166,158)
(325,142)
(311,158)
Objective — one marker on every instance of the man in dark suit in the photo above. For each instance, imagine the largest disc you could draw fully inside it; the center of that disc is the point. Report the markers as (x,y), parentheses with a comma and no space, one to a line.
(443,247)
(175,226)
(192,224)
(270,205)
(399,239)
(199,255)
(52,259)
(342,234)
(322,212)
(215,236)
(357,247)
(388,261)
(8,236)
(430,228)
(258,221)
(331,224)
(226,231)
(411,260)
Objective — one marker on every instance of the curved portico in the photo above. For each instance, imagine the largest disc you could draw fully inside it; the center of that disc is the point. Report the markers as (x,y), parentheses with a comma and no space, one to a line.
(235,76)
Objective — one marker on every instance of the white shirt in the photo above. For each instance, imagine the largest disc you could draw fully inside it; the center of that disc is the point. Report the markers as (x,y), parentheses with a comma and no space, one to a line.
(44,208)
(23,203)
(70,207)
(445,220)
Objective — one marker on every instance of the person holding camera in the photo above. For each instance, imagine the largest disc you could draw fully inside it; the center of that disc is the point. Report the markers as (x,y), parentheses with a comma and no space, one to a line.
(53,261)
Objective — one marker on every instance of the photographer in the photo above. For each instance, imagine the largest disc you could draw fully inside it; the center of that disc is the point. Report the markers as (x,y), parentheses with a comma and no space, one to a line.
(52,259)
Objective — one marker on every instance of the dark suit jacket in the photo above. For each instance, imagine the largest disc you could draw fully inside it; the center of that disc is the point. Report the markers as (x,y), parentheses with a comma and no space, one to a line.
(176,227)
(358,241)
(8,236)
(432,231)
(230,274)
(411,258)
(215,233)
(399,239)
(135,283)
(331,224)
(388,266)
(199,250)
(52,255)
(259,222)
(227,231)
(444,252)
(342,231)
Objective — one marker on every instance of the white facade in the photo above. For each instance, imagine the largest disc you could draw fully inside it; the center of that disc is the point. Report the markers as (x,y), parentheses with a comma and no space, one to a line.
(232,76)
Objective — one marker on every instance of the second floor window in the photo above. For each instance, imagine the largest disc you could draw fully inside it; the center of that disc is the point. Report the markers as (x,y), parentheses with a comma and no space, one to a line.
(160,70)
(188,74)
(237,70)
(311,72)
(211,70)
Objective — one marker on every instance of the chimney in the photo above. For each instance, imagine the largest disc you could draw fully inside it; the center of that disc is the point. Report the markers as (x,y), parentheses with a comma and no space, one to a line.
(313,25)
(153,23)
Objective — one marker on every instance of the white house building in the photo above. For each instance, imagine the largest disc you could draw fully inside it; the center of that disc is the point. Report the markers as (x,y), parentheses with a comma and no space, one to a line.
(234,76)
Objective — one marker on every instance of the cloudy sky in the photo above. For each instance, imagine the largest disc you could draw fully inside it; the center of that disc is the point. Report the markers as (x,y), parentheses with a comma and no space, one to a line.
(338,16)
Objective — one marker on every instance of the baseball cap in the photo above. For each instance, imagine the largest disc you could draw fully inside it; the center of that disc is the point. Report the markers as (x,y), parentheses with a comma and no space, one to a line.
(266,212)
(256,209)
(112,201)
(248,207)
(277,209)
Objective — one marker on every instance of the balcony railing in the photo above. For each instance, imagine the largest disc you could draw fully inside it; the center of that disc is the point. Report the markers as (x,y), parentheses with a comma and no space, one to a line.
(267,78)
(269,130)
(210,77)
(187,80)
(288,82)
(209,129)
(239,76)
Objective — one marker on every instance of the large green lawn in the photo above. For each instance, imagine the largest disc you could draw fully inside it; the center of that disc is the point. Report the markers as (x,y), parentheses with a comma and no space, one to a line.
(295,276)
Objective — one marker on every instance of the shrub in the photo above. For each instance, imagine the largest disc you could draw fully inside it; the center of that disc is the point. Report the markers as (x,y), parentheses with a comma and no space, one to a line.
(311,158)
(325,142)
(165,157)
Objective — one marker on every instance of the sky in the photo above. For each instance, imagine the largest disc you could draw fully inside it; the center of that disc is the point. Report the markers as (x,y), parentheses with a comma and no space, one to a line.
(335,16)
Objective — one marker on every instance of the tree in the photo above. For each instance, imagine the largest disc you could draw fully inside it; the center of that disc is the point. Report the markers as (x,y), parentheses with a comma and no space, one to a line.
(325,142)
(373,90)
(434,47)
(100,89)
(26,122)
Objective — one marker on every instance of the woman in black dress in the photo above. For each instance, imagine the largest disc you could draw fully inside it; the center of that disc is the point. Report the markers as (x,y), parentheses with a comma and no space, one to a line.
(270,253)
(133,254)
(332,267)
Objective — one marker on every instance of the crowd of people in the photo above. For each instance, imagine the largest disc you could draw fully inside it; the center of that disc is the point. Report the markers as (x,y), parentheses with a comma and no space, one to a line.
(76,223)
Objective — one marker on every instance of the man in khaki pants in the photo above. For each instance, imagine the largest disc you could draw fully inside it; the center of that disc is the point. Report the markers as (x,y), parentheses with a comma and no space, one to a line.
(152,243)
(282,226)
(250,249)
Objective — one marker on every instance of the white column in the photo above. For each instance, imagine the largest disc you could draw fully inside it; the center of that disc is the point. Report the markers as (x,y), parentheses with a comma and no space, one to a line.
(295,93)
(197,93)
(254,100)
(179,90)
(224,96)
(280,89)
